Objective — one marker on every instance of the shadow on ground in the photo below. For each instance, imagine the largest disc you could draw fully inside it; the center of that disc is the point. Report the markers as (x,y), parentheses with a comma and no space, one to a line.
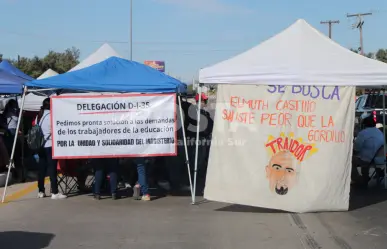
(248,209)
(359,198)
(25,240)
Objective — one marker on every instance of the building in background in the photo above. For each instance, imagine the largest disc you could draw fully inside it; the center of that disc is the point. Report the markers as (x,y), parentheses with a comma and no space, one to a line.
(158,65)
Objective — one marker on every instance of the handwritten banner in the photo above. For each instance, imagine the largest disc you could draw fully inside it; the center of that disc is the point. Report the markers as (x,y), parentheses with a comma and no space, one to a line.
(298,151)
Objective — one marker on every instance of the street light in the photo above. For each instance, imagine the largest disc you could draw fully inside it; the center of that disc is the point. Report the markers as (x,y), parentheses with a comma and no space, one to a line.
(131,30)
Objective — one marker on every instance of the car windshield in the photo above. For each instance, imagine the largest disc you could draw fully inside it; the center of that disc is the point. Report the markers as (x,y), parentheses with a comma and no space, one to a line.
(375,101)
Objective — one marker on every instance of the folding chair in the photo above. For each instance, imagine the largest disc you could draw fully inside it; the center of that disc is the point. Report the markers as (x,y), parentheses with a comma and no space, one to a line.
(68,172)
(381,167)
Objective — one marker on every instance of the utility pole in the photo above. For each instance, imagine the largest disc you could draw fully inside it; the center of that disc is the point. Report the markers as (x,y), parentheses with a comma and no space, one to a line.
(131,30)
(359,25)
(330,23)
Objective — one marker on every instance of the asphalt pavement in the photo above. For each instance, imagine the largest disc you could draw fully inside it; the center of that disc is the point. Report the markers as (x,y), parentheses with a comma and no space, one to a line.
(172,222)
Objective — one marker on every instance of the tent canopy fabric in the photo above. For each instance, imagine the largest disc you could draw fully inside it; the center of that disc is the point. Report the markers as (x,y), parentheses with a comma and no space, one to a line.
(113,75)
(8,67)
(32,102)
(4,101)
(299,55)
(103,53)
(49,73)
(10,84)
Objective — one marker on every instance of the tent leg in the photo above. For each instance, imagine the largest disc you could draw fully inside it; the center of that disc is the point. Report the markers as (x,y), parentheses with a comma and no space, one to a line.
(186,149)
(384,134)
(23,173)
(11,165)
(197,141)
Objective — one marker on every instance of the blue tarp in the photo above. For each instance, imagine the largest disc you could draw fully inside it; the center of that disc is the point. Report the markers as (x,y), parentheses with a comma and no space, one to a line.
(10,84)
(113,75)
(8,67)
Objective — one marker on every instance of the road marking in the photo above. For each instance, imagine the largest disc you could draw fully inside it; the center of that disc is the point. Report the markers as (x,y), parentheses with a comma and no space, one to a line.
(340,242)
(22,192)
(307,240)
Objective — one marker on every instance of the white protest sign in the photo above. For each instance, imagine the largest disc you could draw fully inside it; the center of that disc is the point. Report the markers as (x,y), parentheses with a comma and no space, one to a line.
(122,125)
(296,150)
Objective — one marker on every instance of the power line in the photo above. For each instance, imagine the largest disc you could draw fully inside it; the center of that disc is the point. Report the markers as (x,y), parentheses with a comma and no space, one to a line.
(359,25)
(330,23)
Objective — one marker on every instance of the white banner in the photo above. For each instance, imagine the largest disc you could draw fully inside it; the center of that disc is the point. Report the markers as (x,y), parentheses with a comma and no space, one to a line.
(122,125)
(280,147)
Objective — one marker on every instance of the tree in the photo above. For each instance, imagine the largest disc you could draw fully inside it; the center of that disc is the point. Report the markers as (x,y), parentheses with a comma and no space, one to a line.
(59,62)
(190,89)
(381,55)
(368,55)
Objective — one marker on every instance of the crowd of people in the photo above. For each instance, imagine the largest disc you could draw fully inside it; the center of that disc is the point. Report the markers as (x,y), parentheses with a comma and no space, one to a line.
(168,172)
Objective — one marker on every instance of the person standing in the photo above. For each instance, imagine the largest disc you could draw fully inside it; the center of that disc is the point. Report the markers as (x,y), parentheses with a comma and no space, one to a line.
(4,158)
(46,162)
(11,114)
(205,132)
(102,167)
(141,188)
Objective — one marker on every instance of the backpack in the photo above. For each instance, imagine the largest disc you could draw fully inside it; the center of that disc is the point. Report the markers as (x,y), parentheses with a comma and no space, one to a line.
(35,137)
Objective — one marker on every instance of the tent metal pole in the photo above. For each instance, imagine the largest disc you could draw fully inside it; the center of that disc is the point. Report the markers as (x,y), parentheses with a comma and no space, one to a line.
(384,134)
(197,141)
(186,149)
(42,90)
(22,151)
(11,164)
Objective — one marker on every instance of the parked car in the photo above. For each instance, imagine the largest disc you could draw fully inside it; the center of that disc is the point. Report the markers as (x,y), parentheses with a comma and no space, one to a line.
(369,104)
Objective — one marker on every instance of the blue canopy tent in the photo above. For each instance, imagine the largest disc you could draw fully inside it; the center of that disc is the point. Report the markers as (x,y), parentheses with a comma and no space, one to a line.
(10,84)
(114,75)
(8,67)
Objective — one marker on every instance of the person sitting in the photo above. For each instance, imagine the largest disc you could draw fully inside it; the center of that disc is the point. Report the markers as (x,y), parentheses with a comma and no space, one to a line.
(366,146)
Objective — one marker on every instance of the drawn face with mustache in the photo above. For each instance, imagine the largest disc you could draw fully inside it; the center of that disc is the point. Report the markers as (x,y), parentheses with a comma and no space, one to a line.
(281,172)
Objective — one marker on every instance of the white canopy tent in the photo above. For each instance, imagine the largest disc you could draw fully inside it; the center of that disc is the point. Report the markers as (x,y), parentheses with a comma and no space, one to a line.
(103,53)
(49,73)
(4,101)
(299,55)
(33,101)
